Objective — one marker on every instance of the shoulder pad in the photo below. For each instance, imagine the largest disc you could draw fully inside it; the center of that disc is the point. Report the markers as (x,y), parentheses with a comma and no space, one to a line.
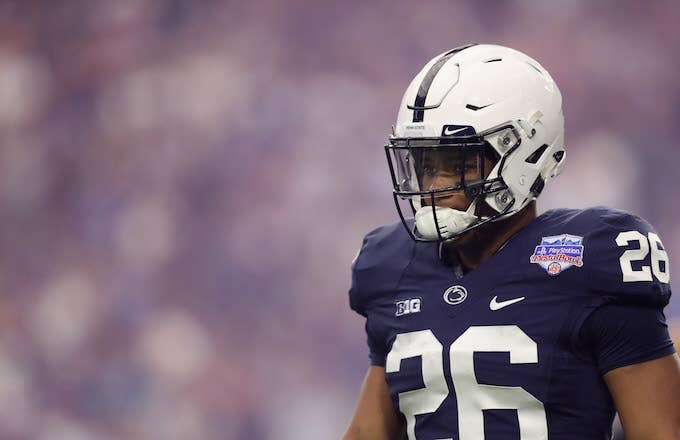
(384,254)
(624,258)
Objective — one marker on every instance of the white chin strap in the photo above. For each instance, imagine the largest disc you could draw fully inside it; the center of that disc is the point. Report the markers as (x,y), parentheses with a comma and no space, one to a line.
(450,221)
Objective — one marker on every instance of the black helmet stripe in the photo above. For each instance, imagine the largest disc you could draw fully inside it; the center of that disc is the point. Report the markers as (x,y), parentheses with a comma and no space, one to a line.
(419,104)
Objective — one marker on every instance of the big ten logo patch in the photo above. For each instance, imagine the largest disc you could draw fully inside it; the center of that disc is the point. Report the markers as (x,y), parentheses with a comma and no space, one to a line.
(408,306)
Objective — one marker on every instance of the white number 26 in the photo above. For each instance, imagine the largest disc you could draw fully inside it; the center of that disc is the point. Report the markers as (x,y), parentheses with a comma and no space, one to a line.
(644,273)
(472,397)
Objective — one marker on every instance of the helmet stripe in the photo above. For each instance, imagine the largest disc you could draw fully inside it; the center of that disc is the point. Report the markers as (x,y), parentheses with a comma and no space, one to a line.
(419,104)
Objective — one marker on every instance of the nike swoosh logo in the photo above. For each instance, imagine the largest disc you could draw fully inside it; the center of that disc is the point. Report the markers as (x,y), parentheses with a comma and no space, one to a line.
(497,305)
(448,133)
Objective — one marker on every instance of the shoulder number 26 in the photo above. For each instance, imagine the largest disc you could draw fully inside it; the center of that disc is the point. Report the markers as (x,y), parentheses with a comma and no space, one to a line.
(644,273)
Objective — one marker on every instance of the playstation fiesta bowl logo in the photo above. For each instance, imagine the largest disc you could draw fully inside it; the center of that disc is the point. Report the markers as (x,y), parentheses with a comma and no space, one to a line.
(558,253)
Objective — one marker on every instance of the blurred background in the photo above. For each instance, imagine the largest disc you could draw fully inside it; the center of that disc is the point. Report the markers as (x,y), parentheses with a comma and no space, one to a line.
(183,186)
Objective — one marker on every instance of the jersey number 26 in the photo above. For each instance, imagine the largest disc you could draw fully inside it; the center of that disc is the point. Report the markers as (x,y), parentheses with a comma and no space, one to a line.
(472,397)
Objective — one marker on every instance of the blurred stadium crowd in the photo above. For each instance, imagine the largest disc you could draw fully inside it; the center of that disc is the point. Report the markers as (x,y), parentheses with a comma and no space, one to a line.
(184,184)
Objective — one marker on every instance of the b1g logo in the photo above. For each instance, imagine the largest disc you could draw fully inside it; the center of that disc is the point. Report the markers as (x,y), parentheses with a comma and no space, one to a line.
(408,306)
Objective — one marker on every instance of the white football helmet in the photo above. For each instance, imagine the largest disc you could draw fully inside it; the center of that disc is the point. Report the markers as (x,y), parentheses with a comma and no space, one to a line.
(466,105)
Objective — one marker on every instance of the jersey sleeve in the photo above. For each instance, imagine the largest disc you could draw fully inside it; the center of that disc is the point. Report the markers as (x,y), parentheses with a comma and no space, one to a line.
(376,269)
(360,303)
(384,254)
(617,335)
(625,259)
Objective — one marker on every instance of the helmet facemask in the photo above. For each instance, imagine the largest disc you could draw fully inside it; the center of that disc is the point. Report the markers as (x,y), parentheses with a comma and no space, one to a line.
(430,172)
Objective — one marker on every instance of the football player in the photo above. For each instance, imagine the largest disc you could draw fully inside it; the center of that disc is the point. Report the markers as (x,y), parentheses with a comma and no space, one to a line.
(484,320)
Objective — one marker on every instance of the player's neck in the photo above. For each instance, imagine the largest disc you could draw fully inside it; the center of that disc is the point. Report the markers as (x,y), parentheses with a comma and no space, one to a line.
(488,239)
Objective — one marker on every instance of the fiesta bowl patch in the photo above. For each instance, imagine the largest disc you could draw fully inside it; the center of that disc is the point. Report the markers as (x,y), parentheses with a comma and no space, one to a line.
(558,253)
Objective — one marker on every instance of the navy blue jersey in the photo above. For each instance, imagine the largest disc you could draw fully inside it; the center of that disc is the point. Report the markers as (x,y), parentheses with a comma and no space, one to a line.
(499,352)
